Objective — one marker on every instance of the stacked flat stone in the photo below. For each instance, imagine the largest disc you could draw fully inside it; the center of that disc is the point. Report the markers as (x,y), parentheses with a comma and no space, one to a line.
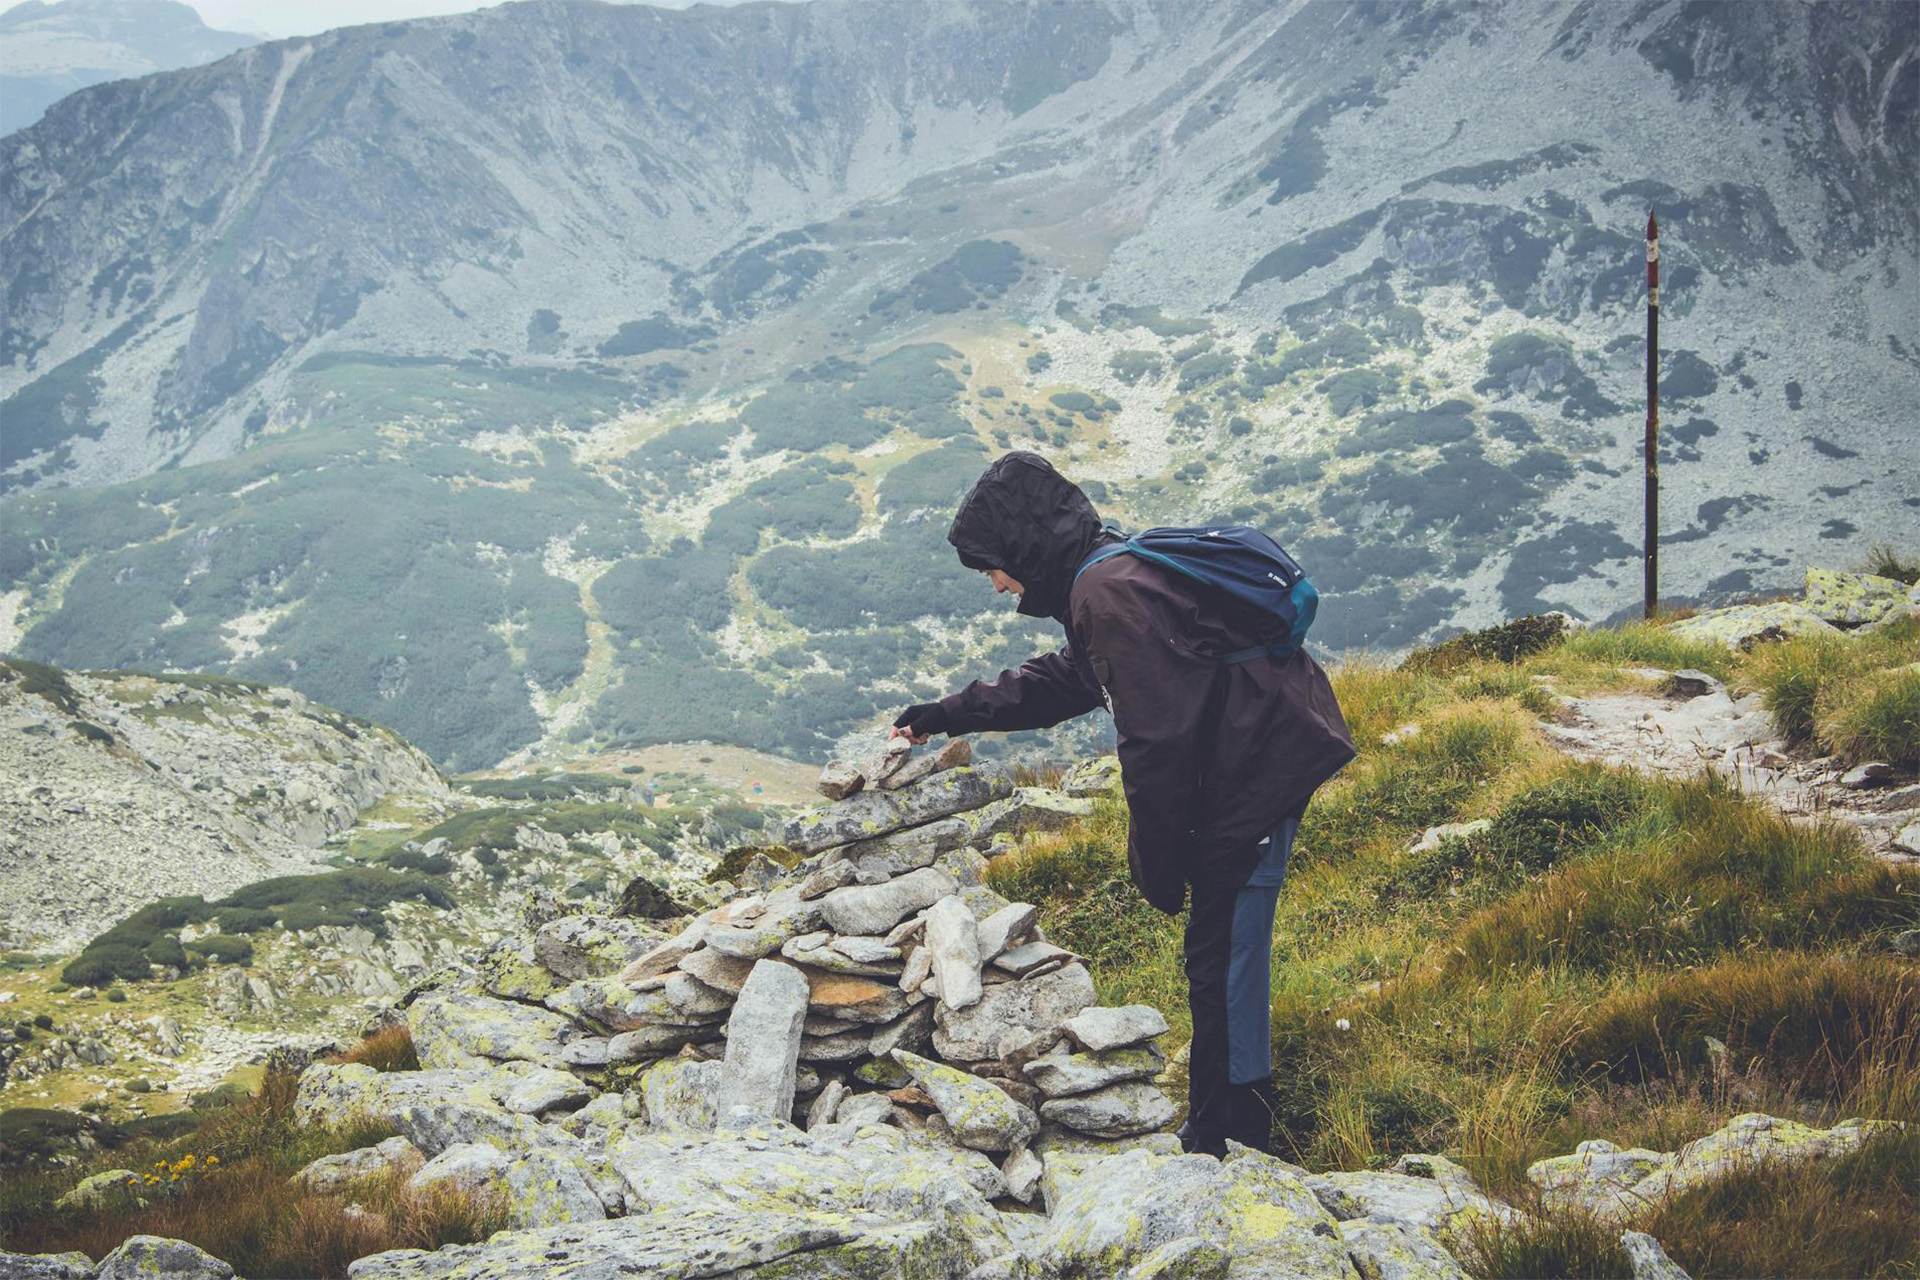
(884,981)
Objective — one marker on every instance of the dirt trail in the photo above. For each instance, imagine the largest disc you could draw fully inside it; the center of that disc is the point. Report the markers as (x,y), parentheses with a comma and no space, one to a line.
(1679,734)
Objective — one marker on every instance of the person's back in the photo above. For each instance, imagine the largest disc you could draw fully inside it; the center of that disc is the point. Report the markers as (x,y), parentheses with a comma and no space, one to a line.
(1218,759)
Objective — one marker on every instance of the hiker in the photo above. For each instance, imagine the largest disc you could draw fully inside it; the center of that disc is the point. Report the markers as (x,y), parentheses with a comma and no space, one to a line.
(1218,754)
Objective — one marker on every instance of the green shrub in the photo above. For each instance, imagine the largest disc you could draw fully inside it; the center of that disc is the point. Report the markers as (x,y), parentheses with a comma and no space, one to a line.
(1887,562)
(224,948)
(116,995)
(433,864)
(1506,642)
(101,964)
(92,732)
(243,919)
(166,950)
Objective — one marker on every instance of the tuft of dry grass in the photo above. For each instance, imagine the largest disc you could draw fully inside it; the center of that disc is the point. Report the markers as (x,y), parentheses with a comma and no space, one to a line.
(388,1049)
(240,1202)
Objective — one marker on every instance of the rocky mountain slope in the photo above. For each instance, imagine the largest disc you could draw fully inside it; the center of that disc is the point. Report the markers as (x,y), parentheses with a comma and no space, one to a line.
(119,787)
(662,342)
(47,51)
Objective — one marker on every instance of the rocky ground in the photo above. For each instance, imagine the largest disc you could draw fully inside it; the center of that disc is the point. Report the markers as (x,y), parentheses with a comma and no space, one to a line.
(1690,721)
(872,1065)
(115,787)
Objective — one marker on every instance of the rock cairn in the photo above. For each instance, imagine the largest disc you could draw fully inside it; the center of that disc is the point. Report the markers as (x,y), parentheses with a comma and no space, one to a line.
(880,978)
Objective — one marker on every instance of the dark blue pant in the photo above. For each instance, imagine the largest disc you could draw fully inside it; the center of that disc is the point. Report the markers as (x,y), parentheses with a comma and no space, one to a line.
(1229,946)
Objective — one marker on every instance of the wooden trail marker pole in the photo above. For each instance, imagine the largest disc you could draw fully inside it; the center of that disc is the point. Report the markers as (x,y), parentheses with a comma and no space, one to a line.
(1653,418)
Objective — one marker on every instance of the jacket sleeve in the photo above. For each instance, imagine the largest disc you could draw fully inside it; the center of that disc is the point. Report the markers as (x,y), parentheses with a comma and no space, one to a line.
(1159,689)
(1042,693)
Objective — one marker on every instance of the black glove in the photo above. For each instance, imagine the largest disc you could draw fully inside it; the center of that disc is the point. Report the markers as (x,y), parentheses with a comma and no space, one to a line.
(922,719)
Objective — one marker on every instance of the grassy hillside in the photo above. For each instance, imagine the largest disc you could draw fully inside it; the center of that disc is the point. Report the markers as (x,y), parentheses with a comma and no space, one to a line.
(1615,956)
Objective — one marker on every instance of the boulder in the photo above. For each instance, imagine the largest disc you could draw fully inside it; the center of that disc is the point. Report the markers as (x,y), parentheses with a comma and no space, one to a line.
(1100,1027)
(1060,1074)
(827,877)
(451,1029)
(718,970)
(1108,1214)
(912,1031)
(1873,773)
(73,1265)
(876,813)
(156,1258)
(953,939)
(1743,626)
(876,908)
(337,1173)
(1397,1251)
(1851,599)
(763,1042)
(1597,1177)
(1090,778)
(1115,1111)
(544,1089)
(1648,1259)
(980,1116)
(1034,1004)
(682,1093)
(1033,957)
(543,1189)
(591,946)
(476,1168)
(113,1190)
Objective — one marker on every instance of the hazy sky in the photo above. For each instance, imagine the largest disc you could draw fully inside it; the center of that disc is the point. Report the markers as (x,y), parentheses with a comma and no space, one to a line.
(278,18)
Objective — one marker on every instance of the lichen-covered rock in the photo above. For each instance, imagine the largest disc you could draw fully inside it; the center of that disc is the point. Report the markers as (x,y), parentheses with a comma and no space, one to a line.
(1851,599)
(763,1043)
(953,938)
(1190,1258)
(1598,1177)
(1034,1004)
(1060,1074)
(874,813)
(1107,1213)
(876,908)
(453,1029)
(1752,1139)
(116,1189)
(1026,809)
(336,1173)
(1397,1251)
(156,1258)
(838,780)
(476,1168)
(667,954)
(591,946)
(1007,927)
(1090,778)
(718,970)
(681,1093)
(73,1265)
(851,998)
(1648,1258)
(1104,1027)
(1743,626)
(1115,1111)
(542,1089)
(1442,1207)
(785,915)
(980,1115)
(542,1189)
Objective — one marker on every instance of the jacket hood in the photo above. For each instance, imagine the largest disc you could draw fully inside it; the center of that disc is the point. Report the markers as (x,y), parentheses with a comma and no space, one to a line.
(1024,517)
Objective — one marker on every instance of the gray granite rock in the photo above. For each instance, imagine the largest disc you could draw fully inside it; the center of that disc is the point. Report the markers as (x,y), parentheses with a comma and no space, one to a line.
(72,1265)
(875,909)
(827,877)
(1061,1074)
(591,946)
(332,1174)
(451,1029)
(979,1115)
(1109,1214)
(157,1258)
(912,1031)
(718,970)
(543,1190)
(543,1089)
(785,915)
(1101,1027)
(876,813)
(953,938)
(1033,1004)
(1091,778)
(1648,1258)
(667,954)
(838,780)
(472,1167)
(1115,1111)
(763,1042)
(1008,927)
(1397,1251)
(681,1093)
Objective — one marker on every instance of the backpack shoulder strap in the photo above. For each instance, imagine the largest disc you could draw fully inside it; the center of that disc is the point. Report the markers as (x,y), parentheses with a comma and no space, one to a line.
(1106,553)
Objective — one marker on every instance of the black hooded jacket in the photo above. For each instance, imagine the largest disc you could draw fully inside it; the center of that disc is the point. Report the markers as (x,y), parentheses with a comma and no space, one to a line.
(1212,754)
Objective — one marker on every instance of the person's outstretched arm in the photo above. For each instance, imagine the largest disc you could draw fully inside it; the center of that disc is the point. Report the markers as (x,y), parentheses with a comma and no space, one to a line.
(1043,692)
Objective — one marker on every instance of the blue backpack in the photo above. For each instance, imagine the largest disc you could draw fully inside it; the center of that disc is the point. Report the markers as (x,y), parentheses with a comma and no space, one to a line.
(1244,563)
